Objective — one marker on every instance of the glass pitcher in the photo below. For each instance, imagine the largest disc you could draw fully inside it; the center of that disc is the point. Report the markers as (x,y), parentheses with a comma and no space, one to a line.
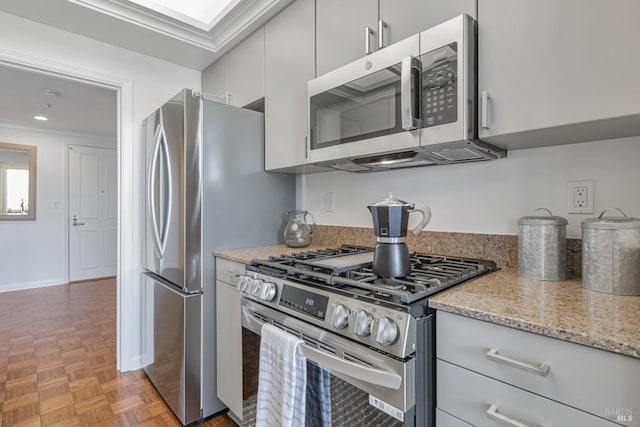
(298,233)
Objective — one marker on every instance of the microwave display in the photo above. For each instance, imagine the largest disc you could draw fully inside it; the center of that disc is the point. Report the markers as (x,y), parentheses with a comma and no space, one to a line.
(439,86)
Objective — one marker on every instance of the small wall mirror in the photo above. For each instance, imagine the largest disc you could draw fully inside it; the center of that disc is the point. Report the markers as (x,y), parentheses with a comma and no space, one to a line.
(17,181)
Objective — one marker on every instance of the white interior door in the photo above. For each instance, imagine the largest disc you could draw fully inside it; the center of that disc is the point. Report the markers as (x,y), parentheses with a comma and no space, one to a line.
(92,212)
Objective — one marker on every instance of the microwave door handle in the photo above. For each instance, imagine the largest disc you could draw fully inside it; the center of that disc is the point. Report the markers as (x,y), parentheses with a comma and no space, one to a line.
(410,93)
(354,370)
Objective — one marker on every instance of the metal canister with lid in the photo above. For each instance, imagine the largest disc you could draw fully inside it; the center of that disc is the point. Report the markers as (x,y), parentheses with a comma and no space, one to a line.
(611,254)
(542,246)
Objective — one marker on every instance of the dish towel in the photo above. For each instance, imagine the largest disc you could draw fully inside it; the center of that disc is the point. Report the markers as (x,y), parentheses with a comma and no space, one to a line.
(282,380)
(318,409)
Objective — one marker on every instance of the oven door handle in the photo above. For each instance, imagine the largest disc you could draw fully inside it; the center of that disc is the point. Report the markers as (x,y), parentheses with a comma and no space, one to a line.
(354,370)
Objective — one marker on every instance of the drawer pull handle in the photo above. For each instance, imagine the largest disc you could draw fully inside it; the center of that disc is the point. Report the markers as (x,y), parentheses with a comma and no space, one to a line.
(492,412)
(541,369)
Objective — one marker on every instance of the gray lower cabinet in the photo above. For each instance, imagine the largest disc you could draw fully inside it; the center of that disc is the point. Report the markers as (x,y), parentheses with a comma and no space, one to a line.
(289,64)
(229,336)
(556,72)
(444,419)
(481,364)
(482,401)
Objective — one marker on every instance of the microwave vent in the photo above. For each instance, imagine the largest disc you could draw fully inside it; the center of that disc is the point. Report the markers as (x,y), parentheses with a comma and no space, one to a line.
(458,154)
(349,167)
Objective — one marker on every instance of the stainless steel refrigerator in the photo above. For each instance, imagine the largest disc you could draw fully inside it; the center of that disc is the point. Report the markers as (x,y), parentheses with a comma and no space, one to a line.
(206,190)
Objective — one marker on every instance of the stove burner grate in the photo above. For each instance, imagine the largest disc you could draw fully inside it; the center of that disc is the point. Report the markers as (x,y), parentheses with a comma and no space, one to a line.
(429,273)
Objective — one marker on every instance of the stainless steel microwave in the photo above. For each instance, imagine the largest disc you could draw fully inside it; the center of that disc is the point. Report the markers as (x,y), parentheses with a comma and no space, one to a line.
(410,104)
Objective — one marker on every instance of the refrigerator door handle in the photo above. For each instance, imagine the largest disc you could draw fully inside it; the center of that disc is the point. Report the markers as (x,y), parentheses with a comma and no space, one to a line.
(168,175)
(151,198)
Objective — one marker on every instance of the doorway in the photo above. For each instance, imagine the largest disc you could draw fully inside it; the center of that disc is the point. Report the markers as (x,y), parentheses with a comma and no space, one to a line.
(126,267)
(92,213)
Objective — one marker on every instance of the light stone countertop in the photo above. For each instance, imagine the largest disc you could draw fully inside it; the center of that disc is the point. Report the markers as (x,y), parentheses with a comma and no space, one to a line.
(563,310)
(246,255)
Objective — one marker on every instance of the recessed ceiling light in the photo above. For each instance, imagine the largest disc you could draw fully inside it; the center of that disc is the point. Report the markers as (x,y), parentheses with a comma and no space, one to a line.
(41,118)
(50,92)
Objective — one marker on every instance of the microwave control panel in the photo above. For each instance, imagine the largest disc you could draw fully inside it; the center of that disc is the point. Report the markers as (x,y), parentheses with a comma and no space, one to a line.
(440,86)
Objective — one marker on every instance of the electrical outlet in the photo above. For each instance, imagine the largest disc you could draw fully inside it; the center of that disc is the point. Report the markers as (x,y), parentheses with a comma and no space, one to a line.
(580,197)
(330,202)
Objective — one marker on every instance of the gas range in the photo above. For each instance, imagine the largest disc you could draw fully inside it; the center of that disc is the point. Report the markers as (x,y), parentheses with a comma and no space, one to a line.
(337,290)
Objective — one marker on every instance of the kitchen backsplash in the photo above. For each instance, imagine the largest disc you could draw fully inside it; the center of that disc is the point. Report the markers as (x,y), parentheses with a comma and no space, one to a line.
(503,249)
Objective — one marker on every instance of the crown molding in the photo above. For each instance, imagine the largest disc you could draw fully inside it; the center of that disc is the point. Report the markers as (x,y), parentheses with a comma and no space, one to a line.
(240,16)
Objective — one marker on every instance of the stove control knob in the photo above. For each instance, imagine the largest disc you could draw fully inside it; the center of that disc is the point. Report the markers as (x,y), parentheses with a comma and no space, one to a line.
(363,321)
(256,287)
(243,282)
(340,316)
(268,291)
(387,331)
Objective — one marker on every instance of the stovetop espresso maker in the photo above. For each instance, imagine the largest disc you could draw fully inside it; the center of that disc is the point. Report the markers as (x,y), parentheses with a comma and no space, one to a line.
(390,222)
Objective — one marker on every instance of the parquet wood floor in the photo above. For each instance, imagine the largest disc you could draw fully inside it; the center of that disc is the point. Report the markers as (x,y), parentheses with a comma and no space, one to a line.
(58,366)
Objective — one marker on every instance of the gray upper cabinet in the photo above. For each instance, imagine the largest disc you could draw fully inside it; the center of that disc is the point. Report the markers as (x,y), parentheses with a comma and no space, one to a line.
(239,74)
(215,78)
(289,64)
(340,31)
(246,70)
(340,25)
(555,72)
(407,17)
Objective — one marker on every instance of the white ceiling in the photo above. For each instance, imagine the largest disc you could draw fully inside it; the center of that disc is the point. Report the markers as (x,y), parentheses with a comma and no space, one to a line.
(79,108)
(168,35)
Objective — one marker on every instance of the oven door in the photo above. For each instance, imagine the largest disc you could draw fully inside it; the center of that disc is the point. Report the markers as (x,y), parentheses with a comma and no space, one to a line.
(365,387)
(369,106)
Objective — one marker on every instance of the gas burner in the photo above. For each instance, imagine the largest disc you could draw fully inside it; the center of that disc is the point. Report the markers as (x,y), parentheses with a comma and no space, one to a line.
(388,283)
(348,269)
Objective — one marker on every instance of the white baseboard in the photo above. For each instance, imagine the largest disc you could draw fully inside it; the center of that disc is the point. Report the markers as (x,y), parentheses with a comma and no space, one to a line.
(31,285)
(135,363)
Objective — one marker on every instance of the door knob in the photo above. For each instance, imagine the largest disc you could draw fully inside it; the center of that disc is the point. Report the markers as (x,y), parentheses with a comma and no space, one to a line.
(75,221)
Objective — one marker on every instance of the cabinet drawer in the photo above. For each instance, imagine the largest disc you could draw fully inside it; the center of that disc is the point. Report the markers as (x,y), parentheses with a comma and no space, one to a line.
(597,381)
(471,397)
(445,420)
(227,271)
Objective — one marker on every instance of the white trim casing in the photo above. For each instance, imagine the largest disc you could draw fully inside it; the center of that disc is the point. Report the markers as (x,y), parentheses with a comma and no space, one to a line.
(126,256)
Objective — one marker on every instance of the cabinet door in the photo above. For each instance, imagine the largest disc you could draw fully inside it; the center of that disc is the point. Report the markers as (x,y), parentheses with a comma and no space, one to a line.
(215,78)
(407,17)
(289,64)
(549,64)
(246,70)
(229,344)
(483,401)
(340,31)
